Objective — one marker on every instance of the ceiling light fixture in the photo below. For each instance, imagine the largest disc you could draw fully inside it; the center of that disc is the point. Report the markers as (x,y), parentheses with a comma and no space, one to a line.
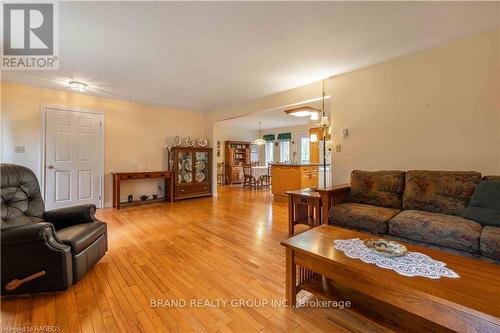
(259,141)
(304,111)
(77,86)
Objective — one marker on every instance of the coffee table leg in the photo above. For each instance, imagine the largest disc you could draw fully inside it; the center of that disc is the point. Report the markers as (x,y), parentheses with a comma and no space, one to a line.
(291,278)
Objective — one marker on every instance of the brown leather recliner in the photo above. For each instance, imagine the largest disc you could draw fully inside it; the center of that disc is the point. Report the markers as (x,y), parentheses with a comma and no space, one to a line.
(44,251)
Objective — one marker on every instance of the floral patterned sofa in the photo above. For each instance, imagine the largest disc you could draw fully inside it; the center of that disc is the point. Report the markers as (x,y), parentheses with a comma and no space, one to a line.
(423,207)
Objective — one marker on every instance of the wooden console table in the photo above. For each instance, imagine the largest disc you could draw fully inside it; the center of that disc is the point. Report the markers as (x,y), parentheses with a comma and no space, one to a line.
(304,207)
(121,176)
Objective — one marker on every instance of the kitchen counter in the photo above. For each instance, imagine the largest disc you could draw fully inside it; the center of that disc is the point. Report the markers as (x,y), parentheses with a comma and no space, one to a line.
(293,176)
(297,164)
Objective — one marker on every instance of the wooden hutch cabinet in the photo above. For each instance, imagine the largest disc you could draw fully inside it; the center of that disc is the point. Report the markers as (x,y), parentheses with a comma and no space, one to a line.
(193,172)
(237,153)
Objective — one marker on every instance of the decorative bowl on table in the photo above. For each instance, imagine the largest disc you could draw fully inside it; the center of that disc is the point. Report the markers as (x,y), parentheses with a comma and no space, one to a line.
(385,247)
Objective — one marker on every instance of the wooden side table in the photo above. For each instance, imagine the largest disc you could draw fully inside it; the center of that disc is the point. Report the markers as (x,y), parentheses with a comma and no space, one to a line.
(304,207)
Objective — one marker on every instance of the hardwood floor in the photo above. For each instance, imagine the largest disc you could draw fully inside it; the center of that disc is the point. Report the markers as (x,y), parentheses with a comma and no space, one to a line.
(222,248)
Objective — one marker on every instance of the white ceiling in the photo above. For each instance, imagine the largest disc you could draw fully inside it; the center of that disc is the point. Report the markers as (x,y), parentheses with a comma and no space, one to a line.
(205,55)
(271,119)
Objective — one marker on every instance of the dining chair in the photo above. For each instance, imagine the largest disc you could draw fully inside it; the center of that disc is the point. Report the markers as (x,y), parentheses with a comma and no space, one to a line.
(248,178)
(221,175)
(265,180)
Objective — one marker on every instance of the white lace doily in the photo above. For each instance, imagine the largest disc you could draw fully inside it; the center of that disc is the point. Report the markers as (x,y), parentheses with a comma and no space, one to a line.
(411,264)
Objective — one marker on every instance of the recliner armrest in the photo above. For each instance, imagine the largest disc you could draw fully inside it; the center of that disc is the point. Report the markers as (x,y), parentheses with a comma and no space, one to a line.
(69,216)
(42,232)
(32,249)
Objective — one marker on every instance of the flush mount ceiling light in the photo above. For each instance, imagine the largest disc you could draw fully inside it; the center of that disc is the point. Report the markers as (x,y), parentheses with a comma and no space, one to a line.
(304,111)
(259,141)
(77,86)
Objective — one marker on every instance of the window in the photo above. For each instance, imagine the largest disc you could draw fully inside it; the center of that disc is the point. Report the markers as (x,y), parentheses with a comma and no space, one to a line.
(304,148)
(269,152)
(254,153)
(284,151)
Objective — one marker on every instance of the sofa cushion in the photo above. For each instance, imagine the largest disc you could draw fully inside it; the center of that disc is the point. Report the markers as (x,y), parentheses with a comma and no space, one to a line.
(484,206)
(378,188)
(490,242)
(439,229)
(446,192)
(81,235)
(362,217)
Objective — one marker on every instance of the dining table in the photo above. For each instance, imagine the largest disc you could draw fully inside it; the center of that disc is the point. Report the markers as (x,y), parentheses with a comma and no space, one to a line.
(259,170)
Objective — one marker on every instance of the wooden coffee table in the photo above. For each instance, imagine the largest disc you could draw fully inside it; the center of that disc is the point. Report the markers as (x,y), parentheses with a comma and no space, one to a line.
(470,303)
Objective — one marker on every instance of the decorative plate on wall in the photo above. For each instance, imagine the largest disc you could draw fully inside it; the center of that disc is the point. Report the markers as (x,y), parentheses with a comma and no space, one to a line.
(189,141)
(177,141)
(202,142)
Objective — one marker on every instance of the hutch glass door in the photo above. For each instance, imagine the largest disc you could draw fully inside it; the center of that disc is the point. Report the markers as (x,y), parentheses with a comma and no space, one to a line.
(201,166)
(185,167)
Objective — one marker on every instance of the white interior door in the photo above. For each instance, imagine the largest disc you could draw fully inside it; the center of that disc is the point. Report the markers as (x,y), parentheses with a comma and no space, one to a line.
(73,159)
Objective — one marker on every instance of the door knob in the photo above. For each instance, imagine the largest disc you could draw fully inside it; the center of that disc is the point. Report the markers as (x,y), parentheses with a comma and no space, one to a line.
(50,167)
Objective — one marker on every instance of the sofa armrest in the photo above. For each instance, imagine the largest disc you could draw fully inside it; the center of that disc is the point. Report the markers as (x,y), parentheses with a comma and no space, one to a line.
(331,196)
(69,216)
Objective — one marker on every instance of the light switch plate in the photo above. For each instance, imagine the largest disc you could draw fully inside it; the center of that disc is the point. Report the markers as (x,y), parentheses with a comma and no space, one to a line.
(345,132)
(19,149)
(338,148)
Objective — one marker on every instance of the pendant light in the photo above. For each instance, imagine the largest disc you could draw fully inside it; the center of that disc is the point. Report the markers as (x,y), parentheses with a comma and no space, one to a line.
(259,141)
(324,124)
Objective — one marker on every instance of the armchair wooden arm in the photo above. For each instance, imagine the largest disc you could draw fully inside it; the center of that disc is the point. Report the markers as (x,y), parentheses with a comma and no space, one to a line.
(332,195)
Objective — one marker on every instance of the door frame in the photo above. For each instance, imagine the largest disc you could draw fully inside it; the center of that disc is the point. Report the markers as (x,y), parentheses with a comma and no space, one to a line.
(43,142)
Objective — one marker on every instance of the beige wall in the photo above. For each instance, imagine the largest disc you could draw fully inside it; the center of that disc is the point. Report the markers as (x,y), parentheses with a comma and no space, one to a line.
(436,109)
(224,132)
(136,135)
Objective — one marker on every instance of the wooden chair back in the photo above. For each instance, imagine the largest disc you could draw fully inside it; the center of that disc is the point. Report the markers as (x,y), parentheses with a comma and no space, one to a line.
(220,168)
(247,169)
